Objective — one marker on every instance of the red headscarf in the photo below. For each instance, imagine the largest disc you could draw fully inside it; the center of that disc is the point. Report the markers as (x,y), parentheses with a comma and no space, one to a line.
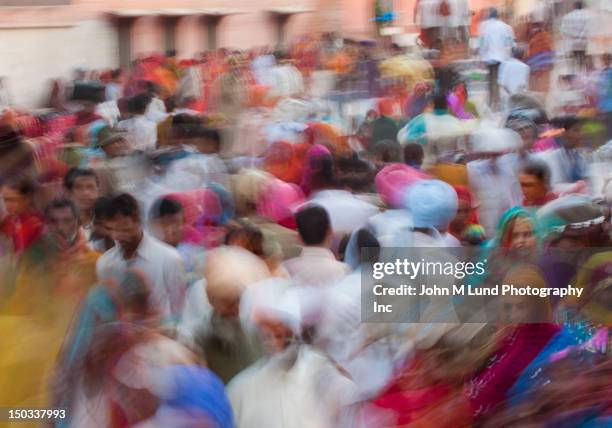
(464,194)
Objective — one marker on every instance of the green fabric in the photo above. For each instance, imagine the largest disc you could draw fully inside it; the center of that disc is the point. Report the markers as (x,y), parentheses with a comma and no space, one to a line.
(416,131)
(225,360)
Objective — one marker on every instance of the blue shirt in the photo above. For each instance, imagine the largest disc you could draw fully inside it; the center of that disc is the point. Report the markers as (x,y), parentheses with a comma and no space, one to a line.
(604,90)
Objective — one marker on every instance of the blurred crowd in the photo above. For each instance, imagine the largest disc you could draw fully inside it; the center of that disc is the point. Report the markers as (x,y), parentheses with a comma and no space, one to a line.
(181,242)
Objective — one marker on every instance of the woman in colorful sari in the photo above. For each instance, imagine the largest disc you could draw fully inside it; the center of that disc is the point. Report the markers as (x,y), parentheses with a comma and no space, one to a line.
(107,370)
(516,240)
(526,329)
(540,57)
(587,330)
(427,390)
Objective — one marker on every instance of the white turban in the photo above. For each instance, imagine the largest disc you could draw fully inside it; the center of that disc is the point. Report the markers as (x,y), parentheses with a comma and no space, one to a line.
(274,299)
(495,140)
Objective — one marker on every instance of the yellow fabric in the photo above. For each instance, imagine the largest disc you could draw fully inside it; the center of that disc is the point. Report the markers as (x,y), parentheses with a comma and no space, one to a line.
(34,322)
(453,174)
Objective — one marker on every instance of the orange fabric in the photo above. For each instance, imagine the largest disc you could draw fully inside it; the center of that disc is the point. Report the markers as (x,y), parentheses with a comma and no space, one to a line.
(453,174)
(284,161)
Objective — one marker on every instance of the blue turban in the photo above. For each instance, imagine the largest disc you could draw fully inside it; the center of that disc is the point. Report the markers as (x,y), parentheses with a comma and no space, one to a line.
(196,388)
(433,204)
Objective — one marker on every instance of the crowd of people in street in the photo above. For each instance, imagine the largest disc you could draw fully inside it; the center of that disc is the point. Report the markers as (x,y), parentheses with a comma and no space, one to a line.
(182,244)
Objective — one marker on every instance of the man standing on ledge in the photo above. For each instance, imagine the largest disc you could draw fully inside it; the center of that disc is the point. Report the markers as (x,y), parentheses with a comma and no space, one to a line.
(496,40)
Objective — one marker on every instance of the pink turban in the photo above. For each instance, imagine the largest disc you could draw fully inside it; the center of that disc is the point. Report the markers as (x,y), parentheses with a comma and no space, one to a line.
(279,199)
(393,180)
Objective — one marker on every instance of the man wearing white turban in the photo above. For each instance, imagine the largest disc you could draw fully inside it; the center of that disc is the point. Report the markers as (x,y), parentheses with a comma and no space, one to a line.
(295,385)
(494,177)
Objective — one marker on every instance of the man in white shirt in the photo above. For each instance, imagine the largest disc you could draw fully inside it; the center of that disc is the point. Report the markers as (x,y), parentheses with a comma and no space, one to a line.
(114,89)
(316,266)
(575,29)
(513,74)
(135,249)
(346,211)
(141,132)
(494,176)
(496,39)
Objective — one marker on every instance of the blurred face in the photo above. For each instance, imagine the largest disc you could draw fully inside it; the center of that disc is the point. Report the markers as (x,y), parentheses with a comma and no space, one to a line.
(101,231)
(527,135)
(126,231)
(516,309)
(116,148)
(169,228)
(63,225)
(533,189)
(522,236)
(573,136)
(276,336)
(206,146)
(14,202)
(84,192)
(225,305)
(463,212)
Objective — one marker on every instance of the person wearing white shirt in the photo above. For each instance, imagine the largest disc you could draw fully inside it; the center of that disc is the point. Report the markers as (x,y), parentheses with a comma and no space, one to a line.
(136,249)
(141,132)
(316,266)
(346,211)
(575,30)
(513,75)
(496,39)
(495,183)
(114,89)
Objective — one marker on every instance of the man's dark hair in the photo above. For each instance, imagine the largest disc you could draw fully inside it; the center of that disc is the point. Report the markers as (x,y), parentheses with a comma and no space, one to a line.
(75,172)
(413,154)
(123,204)
(578,5)
(353,173)
(388,151)
(138,103)
(539,170)
(61,203)
(323,176)
(100,208)
(366,239)
(165,206)
(518,52)
(22,184)
(493,13)
(566,122)
(439,101)
(313,225)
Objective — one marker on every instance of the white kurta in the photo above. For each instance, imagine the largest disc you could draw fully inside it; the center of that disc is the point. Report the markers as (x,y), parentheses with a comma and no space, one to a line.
(278,392)
(497,193)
